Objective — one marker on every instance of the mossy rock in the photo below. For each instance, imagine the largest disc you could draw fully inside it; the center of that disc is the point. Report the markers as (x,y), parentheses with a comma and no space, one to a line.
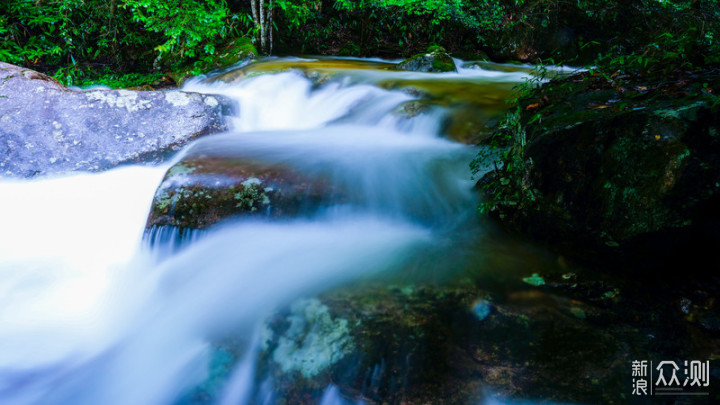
(445,344)
(436,60)
(626,175)
(200,191)
(413,108)
(570,339)
(239,50)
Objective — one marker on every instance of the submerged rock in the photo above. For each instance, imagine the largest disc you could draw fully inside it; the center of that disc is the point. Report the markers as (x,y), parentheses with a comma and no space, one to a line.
(201,191)
(470,123)
(47,128)
(436,60)
(317,70)
(425,344)
(413,108)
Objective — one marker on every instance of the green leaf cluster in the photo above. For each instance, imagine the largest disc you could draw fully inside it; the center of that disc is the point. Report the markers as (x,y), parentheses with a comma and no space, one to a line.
(86,41)
(680,36)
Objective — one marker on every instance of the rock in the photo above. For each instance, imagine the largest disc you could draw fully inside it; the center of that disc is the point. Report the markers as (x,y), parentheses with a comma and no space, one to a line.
(435,61)
(569,340)
(413,108)
(318,71)
(201,191)
(433,344)
(470,124)
(238,52)
(48,128)
(632,176)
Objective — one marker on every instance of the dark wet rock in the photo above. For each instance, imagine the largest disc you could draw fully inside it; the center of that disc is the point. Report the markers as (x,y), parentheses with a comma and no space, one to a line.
(413,108)
(436,60)
(424,344)
(465,123)
(571,339)
(620,173)
(701,307)
(201,191)
(470,124)
(711,321)
(48,128)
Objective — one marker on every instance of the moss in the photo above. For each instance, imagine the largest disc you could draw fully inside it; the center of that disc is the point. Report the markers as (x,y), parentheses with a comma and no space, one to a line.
(614,173)
(163,201)
(446,342)
(443,63)
(201,191)
(252,195)
(434,62)
(235,51)
(179,169)
(436,48)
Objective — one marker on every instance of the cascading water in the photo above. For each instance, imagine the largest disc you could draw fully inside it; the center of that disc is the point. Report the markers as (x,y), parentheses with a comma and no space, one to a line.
(89,314)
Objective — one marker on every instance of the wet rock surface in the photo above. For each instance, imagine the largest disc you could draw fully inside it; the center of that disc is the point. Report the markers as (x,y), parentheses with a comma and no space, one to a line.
(527,327)
(436,60)
(571,340)
(630,173)
(47,128)
(201,191)
(317,70)
(424,344)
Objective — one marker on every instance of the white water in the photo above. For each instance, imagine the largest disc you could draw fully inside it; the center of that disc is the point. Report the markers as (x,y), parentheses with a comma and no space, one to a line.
(91,315)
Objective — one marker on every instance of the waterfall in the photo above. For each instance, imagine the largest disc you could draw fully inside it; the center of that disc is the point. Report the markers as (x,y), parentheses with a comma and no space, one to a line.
(91,314)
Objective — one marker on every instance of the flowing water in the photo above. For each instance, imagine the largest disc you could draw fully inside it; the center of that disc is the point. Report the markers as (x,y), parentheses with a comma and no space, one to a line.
(90,313)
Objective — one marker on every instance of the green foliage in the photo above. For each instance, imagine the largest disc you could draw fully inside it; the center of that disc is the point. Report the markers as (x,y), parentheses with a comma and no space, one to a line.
(191,31)
(114,80)
(683,37)
(79,40)
(188,28)
(64,32)
(86,41)
(508,186)
(479,15)
(679,37)
(297,12)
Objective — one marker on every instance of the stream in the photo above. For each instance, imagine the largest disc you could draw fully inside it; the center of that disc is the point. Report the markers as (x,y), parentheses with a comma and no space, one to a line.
(94,309)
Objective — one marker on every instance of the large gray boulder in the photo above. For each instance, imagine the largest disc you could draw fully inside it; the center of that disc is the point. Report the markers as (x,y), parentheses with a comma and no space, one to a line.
(47,128)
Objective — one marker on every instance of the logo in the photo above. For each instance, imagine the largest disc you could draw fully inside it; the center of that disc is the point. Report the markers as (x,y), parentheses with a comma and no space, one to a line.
(669,378)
